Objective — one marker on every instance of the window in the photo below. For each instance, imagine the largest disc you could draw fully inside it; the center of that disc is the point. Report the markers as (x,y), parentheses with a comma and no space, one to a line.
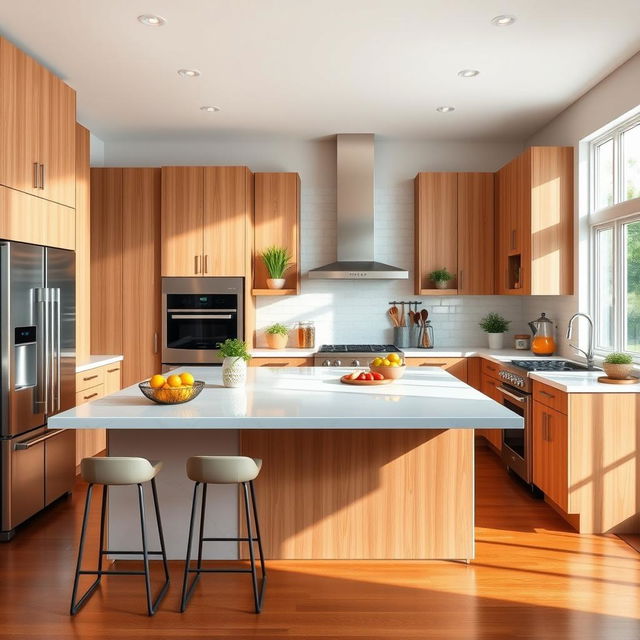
(615,238)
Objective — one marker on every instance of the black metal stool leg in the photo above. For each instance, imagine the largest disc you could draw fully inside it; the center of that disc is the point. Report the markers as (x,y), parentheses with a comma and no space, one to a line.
(258,535)
(160,531)
(254,578)
(145,551)
(103,514)
(186,592)
(203,508)
(76,606)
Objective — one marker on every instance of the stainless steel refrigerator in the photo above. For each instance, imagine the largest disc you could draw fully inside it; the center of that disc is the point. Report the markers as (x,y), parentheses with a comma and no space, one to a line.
(37,378)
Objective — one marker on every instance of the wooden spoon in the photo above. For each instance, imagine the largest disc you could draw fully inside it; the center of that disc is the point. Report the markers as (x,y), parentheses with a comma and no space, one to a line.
(424,314)
(402,317)
(412,319)
(393,314)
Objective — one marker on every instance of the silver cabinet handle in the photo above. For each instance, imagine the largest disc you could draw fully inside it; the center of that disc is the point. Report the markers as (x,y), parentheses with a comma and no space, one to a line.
(27,444)
(511,395)
(35,175)
(42,176)
(202,316)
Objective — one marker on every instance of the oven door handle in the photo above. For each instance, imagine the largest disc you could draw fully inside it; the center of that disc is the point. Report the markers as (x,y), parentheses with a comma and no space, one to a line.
(506,392)
(202,311)
(201,316)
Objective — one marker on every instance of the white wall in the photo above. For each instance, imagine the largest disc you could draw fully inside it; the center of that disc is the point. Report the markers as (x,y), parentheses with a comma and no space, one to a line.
(614,96)
(348,311)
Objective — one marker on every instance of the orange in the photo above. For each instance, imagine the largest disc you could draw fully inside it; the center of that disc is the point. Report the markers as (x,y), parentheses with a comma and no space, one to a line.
(187,379)
(174,381)
(157,381)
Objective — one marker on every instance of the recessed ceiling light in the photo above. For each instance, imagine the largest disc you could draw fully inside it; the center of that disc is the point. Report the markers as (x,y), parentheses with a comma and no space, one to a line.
(503,21)
(210,109)
(445,109)
(188,73)
(468,73)
(151,20)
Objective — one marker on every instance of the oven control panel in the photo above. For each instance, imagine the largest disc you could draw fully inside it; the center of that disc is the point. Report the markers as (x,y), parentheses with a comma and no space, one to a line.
(513,379)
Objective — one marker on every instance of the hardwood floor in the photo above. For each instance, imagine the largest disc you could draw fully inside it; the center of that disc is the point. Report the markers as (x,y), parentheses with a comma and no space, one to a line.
(532,578)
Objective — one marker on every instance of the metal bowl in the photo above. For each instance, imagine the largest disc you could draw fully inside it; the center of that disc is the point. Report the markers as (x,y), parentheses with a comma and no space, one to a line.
(174,395)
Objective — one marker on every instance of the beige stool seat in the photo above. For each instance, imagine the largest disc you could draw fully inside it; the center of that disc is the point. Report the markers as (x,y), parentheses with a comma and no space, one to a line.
(118,470)
(223,469)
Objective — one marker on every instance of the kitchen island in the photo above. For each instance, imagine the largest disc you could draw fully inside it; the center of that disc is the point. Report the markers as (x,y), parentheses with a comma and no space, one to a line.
(349,472)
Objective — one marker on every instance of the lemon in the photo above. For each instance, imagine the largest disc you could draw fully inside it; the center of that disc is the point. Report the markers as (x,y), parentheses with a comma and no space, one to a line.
(386,362)
(377,362)
(187,379)
(156,381)
(394,364)
(174,381)
(393,357)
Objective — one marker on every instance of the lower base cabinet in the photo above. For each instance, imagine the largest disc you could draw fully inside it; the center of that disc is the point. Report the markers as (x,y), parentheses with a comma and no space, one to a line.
(455,366)
(489,386)
(281,362)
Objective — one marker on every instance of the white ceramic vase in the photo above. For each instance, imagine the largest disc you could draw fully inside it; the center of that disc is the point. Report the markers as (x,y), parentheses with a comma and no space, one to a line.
(234,372)
(442,284)
(275,283)
(496,340)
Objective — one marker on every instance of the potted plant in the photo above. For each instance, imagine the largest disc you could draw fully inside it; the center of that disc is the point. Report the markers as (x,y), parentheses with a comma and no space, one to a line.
(277,260)
(234,364)
(618,366)
(277,335)
(441,278)
(496,326)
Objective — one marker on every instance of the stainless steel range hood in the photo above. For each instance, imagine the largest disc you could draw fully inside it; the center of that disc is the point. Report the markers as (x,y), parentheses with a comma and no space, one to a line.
(355,215)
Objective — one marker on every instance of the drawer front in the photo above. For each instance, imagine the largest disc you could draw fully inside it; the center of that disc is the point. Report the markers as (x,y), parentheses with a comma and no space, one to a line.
(550,397)
(490,368)
(455,366)
(90,378)
(87,395)
(112,378)
(281,362)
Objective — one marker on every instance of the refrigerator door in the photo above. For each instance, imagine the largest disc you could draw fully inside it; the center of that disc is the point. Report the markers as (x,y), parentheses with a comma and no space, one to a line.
(22,336)
(60,280)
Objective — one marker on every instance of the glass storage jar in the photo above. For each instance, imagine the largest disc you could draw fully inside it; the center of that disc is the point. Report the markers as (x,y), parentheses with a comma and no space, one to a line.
(306,332)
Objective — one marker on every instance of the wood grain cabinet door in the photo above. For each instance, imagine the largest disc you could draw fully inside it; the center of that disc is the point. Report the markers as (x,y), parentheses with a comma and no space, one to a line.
(182,221)
(226,211)
(20,96)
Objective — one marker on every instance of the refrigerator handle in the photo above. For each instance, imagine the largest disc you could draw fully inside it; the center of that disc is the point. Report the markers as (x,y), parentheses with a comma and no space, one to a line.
(55,350)
(41,396)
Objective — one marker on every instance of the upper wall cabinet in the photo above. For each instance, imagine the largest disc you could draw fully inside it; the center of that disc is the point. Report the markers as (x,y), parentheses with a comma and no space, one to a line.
(277,222)
(206,213)
(37,128)
(534,217)
(454,230)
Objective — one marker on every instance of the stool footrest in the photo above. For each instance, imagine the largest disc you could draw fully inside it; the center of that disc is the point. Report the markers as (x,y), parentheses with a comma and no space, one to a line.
(132,553)
(229,539)
(110,572)
(219,570)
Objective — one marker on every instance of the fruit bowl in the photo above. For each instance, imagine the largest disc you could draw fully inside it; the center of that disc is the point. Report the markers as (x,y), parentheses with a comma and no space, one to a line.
(172,395)
(390,373)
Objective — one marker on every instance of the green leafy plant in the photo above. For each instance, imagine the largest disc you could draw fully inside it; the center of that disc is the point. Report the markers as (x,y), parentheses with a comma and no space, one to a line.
(277,329)
(233,348)
(277,260)
(618,358)
(440,275)
(494,323)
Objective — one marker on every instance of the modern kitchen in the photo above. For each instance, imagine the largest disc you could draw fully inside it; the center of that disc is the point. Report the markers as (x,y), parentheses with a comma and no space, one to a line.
(341,296)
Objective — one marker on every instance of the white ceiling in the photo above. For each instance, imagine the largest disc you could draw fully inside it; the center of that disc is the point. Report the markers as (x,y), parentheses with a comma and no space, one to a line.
(312,68)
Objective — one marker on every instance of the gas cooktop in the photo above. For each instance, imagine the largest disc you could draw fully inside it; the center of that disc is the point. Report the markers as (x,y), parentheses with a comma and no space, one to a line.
(358,348)
(547,365)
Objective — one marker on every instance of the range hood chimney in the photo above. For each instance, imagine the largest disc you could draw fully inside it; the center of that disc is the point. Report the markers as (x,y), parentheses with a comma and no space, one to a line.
(356,166)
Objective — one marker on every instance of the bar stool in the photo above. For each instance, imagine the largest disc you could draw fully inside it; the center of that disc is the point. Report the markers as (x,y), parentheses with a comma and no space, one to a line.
(120,471)
(205,470)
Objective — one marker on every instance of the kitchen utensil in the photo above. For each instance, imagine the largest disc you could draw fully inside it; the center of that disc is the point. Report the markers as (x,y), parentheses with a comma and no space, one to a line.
(402,316)
(412,318)
(176,395)
(393,314)
(427,335)
(365,383)
(392,373)
(424,314)
(543,343)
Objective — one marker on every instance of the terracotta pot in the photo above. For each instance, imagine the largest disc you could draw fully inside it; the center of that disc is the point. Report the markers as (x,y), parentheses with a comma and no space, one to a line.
(617,371)
(275,283)
(276,340)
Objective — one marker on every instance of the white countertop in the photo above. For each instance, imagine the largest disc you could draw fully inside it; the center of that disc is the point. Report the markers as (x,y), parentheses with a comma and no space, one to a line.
(96,361)
(301,398)
(582,382)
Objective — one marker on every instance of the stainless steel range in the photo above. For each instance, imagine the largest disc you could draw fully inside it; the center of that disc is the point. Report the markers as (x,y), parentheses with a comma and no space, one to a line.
(351,355)
(516,390)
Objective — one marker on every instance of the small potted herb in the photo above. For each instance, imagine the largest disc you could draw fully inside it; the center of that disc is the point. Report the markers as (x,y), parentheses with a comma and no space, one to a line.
(441,278)
(495,326)
(618,366)
(277,336)
(234,364)
(277,260)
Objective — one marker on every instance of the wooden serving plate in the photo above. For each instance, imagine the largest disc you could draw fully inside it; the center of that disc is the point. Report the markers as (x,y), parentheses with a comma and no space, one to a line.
(366,383)
(629,380)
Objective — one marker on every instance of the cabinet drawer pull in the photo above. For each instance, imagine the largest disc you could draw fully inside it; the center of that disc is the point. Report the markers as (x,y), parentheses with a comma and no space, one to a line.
(86,379)
(42,176)
(434,364)
(206,263)
(35,175)
(490,367)
(546,394)
(513,238)
(113,370)
(196,268)
(92,395)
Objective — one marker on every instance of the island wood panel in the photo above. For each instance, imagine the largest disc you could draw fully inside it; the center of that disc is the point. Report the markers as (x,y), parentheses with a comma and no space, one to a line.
(277,222)
(379,494)
(182,221)
(26,218)
(475,233)
(106,260)
(455,366)
(249,299)
(474,367)
(436,227)
(227,207)
(83,245)
(141,296)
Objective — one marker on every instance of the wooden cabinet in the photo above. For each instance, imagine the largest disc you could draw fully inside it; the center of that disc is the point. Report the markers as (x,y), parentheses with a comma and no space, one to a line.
(83,245)
(276,222)
(489,386)
(281,362)
(454,230)
(125,268)
(37,127)
(455,366)
(112,378)
(534,218)
(549,396)
(205,216)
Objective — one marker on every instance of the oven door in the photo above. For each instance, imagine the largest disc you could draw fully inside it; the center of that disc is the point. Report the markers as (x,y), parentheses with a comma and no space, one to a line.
(516,443)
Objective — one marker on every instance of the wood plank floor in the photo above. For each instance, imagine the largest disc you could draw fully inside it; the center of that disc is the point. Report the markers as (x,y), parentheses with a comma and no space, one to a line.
(532,578)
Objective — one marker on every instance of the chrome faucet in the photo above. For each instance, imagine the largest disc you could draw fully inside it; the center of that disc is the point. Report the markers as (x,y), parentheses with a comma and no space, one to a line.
(589,353)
